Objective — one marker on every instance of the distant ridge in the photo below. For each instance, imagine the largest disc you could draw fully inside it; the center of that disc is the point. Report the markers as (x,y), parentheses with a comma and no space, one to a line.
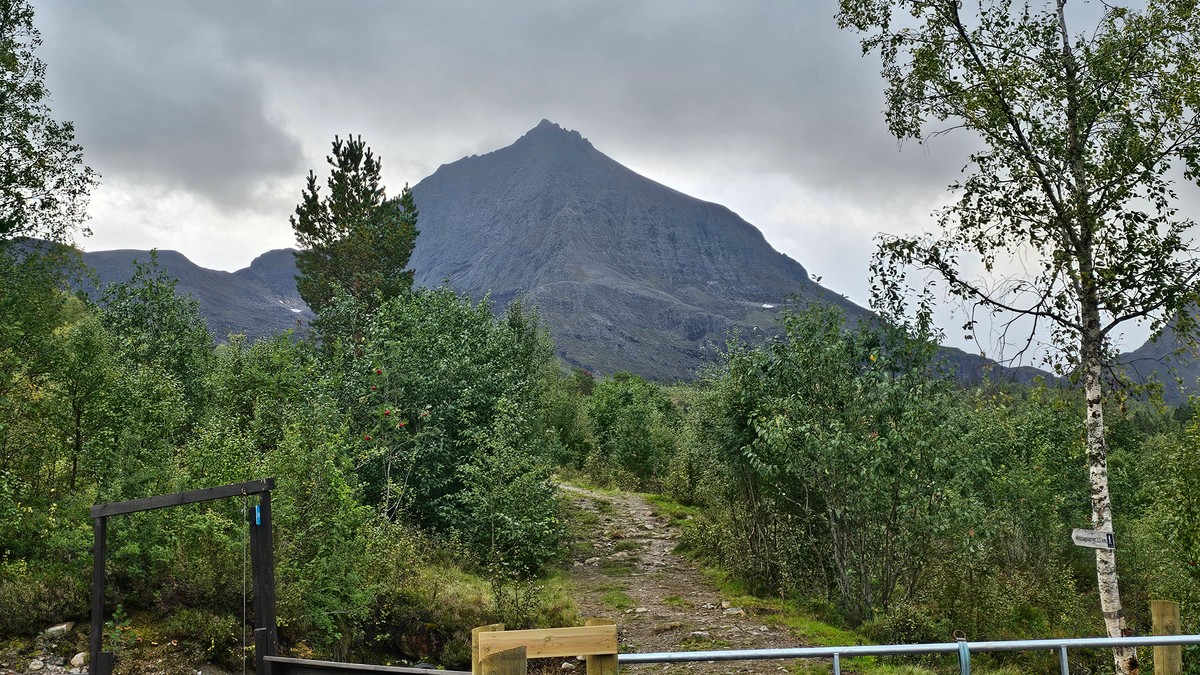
(628,274)
(1157,361)
(257,301)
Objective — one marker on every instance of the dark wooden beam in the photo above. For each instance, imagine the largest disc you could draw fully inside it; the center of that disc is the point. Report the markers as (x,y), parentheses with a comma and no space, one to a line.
(180,498)
(101,663)
(96,663)
(262,565)
(105,662)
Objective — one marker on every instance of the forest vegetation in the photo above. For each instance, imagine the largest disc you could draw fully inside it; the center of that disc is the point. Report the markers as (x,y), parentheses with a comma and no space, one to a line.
(418,438)
(833,467)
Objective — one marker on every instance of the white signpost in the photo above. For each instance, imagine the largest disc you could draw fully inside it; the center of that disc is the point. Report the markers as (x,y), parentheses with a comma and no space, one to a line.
(1093,538)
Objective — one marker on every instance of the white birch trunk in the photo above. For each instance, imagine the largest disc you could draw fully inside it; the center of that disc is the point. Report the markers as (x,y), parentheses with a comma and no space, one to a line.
(1097,457)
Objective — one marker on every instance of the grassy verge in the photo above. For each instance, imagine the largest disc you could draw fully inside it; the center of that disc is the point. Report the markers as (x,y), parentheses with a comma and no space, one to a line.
(804,621)
(809,622)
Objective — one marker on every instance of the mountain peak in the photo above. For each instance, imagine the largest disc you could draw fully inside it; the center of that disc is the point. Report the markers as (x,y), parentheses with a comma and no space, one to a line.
(547,131)
(630,274)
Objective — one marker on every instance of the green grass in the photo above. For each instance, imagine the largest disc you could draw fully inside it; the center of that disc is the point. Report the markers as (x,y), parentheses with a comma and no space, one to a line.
(673,511)
(617,568)
(557,606)
(825,667)
(801,621)
(818,632)
(626,545)
(584,520)
(676,601)
(618,600)
(699,643)
(605,586)
(809,622)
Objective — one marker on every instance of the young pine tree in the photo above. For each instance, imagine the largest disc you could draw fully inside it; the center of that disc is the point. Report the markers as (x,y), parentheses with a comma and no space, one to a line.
(355,242)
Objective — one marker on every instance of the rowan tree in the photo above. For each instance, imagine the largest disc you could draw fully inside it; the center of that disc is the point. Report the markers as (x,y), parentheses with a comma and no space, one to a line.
(44,184)
(1080,131)
(353,240)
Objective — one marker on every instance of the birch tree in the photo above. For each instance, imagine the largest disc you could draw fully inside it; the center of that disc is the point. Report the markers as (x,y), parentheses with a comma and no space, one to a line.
(1084,130)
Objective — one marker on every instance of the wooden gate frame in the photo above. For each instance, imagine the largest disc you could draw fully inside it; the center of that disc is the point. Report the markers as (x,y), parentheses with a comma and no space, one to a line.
(262,564)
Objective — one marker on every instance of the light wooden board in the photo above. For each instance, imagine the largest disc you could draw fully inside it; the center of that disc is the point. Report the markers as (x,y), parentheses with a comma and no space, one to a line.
(1168,659)
(508,662)
(551,642)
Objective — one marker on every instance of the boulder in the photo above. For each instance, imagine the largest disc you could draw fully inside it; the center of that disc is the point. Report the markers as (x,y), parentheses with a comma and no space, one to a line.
(59,629)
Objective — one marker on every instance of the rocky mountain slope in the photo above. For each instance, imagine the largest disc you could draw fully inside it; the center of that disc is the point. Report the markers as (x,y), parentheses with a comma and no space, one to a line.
(629,274)
(1157,361)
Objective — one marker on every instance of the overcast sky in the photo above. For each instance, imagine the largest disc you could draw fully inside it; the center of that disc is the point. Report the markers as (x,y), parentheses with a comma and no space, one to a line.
(204,117)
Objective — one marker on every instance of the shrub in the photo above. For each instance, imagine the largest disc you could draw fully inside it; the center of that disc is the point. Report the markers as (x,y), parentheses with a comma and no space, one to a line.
(31,598)
(635,427)
(507,513)
(214,638)
(435,370)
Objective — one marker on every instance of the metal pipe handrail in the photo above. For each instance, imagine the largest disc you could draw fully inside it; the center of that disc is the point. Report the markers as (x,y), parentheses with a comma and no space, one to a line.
(285,665)
(923,648)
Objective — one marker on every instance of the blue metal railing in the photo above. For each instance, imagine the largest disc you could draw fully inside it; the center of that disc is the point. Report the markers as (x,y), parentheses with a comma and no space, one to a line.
(963,648)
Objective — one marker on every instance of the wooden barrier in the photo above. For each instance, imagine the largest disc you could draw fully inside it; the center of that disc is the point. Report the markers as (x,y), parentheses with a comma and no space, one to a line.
(506,662)
(602,664)
(502,652)
(1168,659)
(262,557)
(475,643)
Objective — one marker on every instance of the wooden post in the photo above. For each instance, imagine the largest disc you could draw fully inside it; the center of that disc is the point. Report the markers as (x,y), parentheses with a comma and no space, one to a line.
(262,564)
(1168,659)
(104,664)
(507,662)
(601,664)
(475,643)
(99,663)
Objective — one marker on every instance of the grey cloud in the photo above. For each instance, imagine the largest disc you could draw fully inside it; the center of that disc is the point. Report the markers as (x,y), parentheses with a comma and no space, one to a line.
(175,91)
(775,80)
(158,101)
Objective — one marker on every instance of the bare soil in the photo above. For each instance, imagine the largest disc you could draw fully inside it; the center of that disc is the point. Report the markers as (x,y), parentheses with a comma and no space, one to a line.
(625,569)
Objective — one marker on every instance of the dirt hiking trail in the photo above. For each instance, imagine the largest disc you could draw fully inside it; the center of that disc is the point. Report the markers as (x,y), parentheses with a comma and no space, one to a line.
(625,570)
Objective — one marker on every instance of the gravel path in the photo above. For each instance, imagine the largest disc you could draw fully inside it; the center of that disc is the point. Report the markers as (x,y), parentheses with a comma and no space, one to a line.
(625,570)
